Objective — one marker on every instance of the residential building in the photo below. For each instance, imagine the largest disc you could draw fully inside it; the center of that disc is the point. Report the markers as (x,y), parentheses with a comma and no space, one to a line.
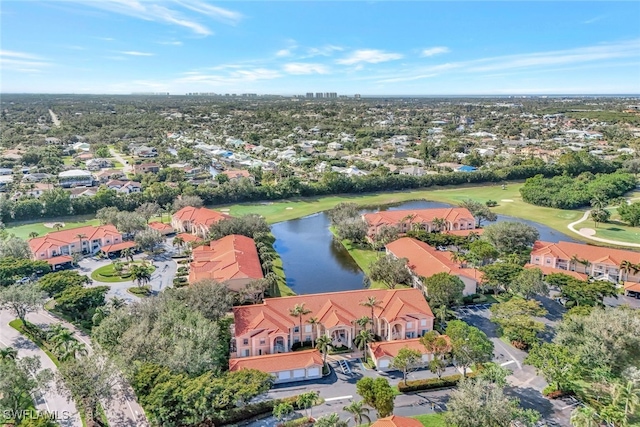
(109,174)
(237,174)
(75,178)
(164,229)
(33,190)
(196,221)
(81,192)
(382,353)
(97,164)
(424,219)
(424,261)
(594,261)
(124,186)
(412,171)
(88,239)
(146,167)
(269,328)
(285,367)
(233,259)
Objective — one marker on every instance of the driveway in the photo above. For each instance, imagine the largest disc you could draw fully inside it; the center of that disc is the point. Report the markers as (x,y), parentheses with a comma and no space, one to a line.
(50,401)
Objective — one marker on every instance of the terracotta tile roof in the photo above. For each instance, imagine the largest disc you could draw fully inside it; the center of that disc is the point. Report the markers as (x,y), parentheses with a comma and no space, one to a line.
(199,216)
(62,259)
(420,216)
(236,173)
(66,237)
(550,270)
(426,261)
(396,421)
(188,238)
(594,254)
(332,307)
(631,286)
(160,226)
(117,247)
(278,362)
(391,348)
(477,231)
(232,257)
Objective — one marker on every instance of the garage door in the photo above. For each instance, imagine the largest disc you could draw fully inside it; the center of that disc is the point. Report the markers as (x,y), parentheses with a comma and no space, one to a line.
(384,363)
(313,372)
(284,375)
(299,373)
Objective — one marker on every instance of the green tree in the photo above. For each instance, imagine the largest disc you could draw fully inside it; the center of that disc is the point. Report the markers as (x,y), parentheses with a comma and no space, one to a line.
(148,210)
(246,225)
(372,303)
(469,344)
(378,394)
(331,420)
(627,396)
(8,353)
(555,362)
(80,303)
(323,343)
(515,320)
(282,410)
(599,215)
(444,289)
(390,270)
(500,275)
(438,346)
(585,416)
(529,282)
(22,299)
(361,340)
(298,311)
(20,381)
(406,361)
(307,400)
(630,213)
(55,283)
(480,211)
(483,251)
(358,411)
(148,240)
(14,247)
(495,374)
(508,237)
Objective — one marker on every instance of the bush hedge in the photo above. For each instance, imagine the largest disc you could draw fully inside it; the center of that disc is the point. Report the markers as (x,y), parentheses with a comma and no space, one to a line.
(432,383)
(252,410)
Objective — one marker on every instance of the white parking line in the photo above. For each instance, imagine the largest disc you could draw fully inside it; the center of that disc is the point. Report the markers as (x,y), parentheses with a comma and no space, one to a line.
(508,363)
(331,399)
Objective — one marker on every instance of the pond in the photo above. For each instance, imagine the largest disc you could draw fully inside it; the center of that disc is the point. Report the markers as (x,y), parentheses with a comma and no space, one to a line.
(315,262)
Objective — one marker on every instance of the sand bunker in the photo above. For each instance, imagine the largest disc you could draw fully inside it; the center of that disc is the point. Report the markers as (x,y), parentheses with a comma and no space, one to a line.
(587,231)
(288,209)
(506,200)
(53,224)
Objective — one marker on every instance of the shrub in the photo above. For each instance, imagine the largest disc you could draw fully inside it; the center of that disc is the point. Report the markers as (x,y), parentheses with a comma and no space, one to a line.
(140,290)
(182,270)
(480,299)
(299,422)
(253,410)
(491,203)
(300,345)
(432,383)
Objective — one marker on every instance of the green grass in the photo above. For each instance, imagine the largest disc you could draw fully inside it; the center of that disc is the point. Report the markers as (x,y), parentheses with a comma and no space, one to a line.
(140,291)
(282,289)
(107,274)
(22,230)
(431,420)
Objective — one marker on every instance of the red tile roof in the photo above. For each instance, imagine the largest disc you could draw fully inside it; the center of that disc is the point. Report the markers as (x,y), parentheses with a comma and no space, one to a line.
(419,216)
(232,257)
(426,261)
(594,254)
(236,173)
(396,421)
(631,286)
(271,363)
(117,247)
(62,259)
(550,270)
(333,308)
(187,238)
(160,226)
(391,348)
(199,216)
(66,237)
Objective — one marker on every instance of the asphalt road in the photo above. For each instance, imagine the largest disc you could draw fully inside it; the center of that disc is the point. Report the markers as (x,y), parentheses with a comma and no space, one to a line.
(51,401)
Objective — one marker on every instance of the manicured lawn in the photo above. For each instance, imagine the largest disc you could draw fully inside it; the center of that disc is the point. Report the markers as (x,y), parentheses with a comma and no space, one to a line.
(431,420)
(282,290)
(107,274)
(22,230)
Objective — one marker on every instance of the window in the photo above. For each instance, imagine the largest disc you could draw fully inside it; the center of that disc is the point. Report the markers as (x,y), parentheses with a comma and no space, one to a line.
(307,328)
(307,338)
(409,325)
(245,341)
(296,329)
(423,322)
(296,339)
(537,258)
(245,353)
(262,342)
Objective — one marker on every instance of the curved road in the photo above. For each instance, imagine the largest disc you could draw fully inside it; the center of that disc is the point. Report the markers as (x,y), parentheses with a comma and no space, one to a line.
(51,401)
(126,167)
(598,239)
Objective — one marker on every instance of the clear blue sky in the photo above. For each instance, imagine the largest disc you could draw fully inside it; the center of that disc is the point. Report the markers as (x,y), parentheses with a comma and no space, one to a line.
(294,47)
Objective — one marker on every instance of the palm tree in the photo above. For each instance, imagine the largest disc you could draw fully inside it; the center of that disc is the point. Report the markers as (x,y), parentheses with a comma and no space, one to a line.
(331,420)
(457,257)
(439,224)
(442,313)
(117,303)
(584,417)
(61,341)
(625,267)
(127,253)
(314,322)
(323,343)
(72,350)
(33,235)
(307,400)
(141,274)
(361,340)
(372,303)
(178,242)
(80,237)
(8,353)
(359,412)
(57,226)
(627,395)
(363,322)
(298,311)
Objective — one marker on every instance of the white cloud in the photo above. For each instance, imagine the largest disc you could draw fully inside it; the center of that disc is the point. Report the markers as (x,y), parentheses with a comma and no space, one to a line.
(326,50)
(434,51)
(168,13)
(21,61)
(136,53)
(372,56)
(305,68)
(283,52)
(171,43)
(14,54)
(406,79)
(232,77)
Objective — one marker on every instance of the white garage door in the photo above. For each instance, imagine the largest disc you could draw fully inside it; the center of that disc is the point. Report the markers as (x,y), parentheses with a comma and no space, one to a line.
(284,375)
(384,363)
(425,357)
(313,372)
(299,373)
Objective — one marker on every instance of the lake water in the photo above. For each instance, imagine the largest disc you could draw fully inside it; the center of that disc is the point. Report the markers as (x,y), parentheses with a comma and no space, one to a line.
(315,262)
